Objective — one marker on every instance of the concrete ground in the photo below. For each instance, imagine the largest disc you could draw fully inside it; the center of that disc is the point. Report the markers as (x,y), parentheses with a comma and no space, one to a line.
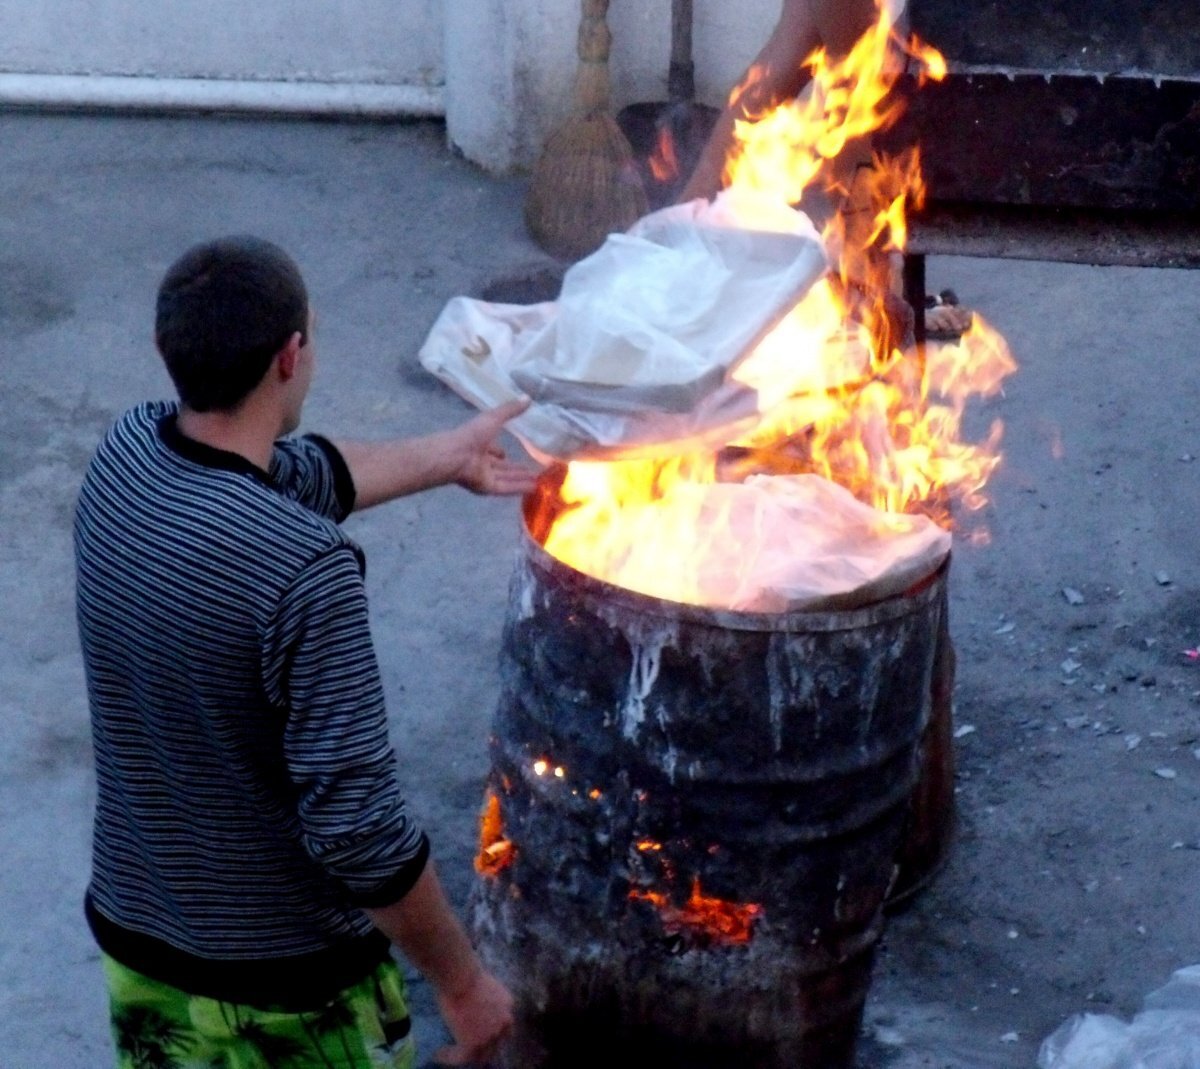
(1073,880)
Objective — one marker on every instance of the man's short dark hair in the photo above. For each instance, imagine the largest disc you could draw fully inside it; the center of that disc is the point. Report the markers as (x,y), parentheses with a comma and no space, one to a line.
(224,309)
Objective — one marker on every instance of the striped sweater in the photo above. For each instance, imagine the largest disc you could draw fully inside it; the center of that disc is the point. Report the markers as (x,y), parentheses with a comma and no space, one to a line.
(247,798)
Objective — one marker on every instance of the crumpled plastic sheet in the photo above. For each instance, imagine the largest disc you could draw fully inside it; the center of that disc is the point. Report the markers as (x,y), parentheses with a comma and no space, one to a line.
(781,543)
(1165,1035)
(636,357)
(635,354)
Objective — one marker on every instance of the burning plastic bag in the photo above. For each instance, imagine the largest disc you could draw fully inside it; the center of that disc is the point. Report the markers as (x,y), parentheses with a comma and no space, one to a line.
(769,544)
(1165,1035)
(638,348)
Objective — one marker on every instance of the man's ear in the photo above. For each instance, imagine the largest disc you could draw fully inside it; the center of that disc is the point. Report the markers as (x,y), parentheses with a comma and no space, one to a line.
(287,357)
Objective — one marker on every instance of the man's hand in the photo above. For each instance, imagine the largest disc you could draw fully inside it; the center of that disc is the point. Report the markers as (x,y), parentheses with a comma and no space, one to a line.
(467,455)
(479,1019)
(477,1008)
(482,466)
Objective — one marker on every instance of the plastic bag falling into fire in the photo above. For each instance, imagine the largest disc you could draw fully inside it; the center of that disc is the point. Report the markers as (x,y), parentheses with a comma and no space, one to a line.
(837,395)
(833,392)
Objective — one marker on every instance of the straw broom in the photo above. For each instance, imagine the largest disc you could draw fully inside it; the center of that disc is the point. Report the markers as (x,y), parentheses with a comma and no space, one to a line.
(585,185)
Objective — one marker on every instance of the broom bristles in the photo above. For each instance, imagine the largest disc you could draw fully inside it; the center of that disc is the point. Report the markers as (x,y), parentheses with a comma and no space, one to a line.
(584,187)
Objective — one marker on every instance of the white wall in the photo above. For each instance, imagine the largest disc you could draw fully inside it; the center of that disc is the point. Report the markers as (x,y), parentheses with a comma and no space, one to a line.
(510,64)
(501,71)
(387,41)
(727,35)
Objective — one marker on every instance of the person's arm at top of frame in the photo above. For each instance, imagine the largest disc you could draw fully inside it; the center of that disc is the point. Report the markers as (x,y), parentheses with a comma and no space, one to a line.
(467,455)
(476,1007)
(779,74)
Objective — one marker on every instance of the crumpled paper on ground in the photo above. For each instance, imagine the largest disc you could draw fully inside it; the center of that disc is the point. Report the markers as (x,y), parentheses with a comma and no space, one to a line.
(1165,1035)
(635,354)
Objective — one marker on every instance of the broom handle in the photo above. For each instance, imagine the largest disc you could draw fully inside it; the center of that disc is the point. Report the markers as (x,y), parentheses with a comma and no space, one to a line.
(681,76)
(592,88)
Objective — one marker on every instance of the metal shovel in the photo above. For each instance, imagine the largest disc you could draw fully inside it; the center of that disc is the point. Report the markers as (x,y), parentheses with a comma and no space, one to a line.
(668,136)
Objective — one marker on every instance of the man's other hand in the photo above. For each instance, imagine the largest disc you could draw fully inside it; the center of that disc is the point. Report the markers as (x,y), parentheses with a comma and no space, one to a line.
(480,1018)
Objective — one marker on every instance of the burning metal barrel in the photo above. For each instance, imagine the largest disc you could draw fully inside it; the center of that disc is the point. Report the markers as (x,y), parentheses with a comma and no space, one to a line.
(693,817)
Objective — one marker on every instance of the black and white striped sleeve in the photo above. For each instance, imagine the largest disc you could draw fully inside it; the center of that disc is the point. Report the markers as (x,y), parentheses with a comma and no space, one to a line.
(320,665)
(312,471)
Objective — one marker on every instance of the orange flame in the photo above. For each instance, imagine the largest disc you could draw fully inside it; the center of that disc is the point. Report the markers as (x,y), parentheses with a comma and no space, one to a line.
(837,394)
(744,88)
(495,851)
(715,919)
(664,163)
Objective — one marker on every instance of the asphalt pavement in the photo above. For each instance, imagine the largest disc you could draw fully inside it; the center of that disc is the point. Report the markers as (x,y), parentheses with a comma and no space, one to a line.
(1072,881)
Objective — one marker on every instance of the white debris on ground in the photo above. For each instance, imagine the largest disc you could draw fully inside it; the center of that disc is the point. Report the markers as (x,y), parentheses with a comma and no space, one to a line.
(1165,1035)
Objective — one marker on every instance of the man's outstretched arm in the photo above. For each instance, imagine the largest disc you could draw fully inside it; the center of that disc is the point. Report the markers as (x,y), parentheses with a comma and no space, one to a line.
(467,455)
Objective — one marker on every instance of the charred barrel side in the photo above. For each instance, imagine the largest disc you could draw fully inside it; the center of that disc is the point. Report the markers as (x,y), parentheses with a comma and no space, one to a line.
(693,818)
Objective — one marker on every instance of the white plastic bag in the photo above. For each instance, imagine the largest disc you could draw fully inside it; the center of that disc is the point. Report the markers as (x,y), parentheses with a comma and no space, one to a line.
(1088,1041)
(635,359)
(472,349)
(636,352)
(1165,1035)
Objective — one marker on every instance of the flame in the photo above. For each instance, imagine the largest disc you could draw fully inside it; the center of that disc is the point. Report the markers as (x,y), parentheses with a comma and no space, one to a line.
(837,394)
(495,851)
(716,919)
(746,87)
(663,162)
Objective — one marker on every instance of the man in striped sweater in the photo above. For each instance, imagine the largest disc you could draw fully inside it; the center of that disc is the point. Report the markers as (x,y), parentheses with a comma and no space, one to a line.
(253,859)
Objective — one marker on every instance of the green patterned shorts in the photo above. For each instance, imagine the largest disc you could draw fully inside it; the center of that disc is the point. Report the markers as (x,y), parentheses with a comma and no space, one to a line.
(156,1026)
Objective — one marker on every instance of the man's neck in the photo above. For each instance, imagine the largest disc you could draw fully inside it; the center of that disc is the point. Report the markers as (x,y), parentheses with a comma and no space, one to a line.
(243,432)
